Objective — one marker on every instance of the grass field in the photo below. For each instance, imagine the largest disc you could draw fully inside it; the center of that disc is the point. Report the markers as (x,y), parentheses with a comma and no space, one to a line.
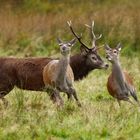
(31,115)
(29,27)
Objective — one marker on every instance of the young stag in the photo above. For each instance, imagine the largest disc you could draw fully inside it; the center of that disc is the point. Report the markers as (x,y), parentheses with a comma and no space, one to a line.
(58,75)
(119,84)
(89,58)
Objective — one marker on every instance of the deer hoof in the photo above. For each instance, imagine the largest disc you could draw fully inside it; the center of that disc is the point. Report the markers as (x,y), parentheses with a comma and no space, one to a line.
(79,104)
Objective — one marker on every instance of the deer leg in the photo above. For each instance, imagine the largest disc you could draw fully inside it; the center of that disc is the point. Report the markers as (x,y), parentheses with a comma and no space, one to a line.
(50,92)
(119,102)
(125,99)
(72,91)
(55,96)
(2,94)
(58,97)
(5,87)
(69,94)
(130,102)
(76,98)
(134,95)
(65,88)
(5,102)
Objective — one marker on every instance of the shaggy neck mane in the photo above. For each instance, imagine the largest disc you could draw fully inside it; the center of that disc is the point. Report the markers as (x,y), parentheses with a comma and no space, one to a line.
(79,66)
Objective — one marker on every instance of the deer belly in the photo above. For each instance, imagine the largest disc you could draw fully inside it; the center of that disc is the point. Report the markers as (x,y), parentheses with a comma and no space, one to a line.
(49,73)
(114,88)
(111,86)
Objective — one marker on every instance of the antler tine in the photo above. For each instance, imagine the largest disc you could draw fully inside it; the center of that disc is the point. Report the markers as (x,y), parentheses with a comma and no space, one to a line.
(97,48)
(93,34)
(78,37)
(92,26)
(70,23)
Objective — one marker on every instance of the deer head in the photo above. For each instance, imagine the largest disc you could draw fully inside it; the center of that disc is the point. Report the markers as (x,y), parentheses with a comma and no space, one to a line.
(93,60)
(65,48)
(113,54)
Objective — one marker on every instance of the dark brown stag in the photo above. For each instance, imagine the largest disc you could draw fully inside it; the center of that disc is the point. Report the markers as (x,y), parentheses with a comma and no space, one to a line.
(26,73)
(89,58)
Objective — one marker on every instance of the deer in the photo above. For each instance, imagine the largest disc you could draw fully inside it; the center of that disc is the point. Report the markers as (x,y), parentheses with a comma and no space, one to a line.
(120,84)
(26,73)
(89,59)
(58,75)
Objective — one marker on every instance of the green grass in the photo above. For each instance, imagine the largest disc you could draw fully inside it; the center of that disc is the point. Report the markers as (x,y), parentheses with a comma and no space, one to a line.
(30,28)
(31,115)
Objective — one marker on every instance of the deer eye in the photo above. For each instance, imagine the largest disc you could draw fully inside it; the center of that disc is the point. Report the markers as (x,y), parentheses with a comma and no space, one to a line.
(115,51)
(94,58)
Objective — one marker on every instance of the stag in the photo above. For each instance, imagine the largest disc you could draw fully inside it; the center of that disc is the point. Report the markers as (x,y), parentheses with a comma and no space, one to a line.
(26,73)
(89,58)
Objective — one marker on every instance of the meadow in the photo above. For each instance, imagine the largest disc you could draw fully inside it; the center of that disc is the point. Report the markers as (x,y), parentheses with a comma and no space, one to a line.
(29,28)
(31,115)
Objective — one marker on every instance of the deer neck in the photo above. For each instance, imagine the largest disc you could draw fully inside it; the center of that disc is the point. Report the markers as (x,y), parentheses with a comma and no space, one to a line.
(79,67)
(62,68)
(118,74)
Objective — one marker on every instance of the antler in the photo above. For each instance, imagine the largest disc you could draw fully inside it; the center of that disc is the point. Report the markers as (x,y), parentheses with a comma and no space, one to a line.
(78,37)
(93,34)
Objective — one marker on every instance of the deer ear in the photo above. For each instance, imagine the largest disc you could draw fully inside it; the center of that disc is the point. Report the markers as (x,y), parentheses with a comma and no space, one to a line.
(84,51)
(107,48)
(72,42)
(119,47)
(60,42)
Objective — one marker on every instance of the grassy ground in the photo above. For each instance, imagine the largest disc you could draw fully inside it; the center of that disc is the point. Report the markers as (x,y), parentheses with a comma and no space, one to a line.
(31,115)
(29,27)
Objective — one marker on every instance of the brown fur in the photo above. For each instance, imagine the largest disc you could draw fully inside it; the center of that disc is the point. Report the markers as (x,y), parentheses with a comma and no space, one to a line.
(50,71)
(26,73)
(111,83)
(120,84)
(58,75)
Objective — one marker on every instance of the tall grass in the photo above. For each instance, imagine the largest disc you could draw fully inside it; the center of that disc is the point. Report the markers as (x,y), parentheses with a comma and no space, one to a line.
(22,23)
(29,27)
